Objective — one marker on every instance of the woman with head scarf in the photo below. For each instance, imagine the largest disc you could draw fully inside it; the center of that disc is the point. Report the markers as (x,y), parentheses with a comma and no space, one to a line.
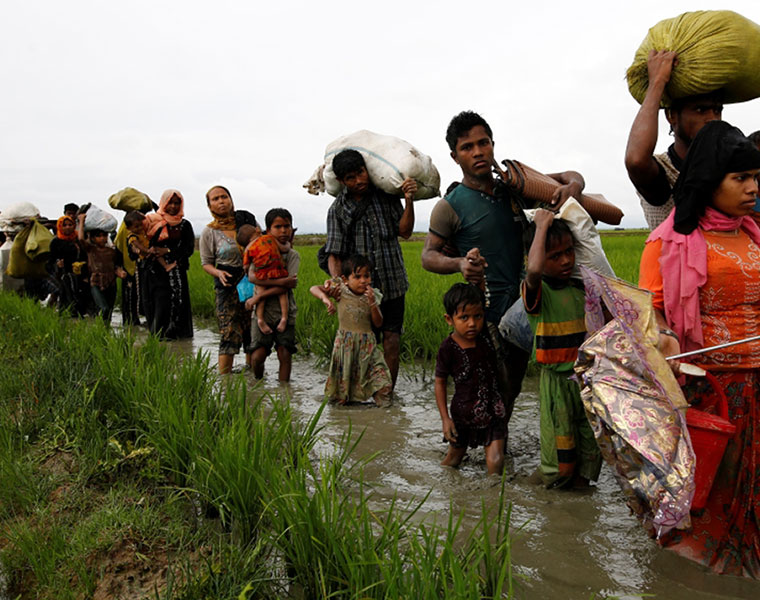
(68,264)
(165,295)
(221,257)
(703,266)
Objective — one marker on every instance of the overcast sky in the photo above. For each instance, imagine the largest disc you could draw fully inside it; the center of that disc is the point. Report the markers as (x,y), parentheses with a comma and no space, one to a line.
(98,96)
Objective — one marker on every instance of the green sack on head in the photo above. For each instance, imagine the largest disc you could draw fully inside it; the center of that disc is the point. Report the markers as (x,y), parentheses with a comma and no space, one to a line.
(716,50)
(130,199)
(19,264)
(37,246)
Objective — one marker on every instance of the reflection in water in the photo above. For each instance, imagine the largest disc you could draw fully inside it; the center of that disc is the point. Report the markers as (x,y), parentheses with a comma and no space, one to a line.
(570,545)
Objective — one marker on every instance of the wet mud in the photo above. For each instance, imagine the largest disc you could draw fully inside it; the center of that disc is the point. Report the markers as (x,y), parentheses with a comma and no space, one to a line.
(569,545)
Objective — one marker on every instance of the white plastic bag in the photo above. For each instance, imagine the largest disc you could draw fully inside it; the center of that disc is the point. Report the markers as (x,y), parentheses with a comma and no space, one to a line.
(588,244)
(15,217)
(97,218)
(389,161)
(515,327)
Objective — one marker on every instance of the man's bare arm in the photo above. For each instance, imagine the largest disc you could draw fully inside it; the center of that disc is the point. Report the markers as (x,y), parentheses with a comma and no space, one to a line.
(435,261)
(572,185)
(642,168)
(406,223)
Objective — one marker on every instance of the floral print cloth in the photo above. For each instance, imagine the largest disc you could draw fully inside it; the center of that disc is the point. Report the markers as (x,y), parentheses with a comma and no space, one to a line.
(635,405)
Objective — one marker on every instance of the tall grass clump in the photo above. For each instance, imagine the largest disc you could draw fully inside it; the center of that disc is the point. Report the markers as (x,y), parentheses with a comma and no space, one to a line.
(157,442)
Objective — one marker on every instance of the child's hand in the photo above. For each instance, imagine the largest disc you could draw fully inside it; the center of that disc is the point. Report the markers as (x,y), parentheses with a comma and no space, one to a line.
(330,306)
(121,273)
(543,218)
(249,303)
(369,294)
(332,288)
(449,430)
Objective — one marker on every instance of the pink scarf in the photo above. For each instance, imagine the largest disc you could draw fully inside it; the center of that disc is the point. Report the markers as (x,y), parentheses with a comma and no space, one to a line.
(160,219)
(683,264)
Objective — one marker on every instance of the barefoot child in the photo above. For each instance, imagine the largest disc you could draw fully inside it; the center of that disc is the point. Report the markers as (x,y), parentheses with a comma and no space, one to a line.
(477,416)
(264,252)
(555,307)
(103,267)
(279,223)
(358,370)
(132,242)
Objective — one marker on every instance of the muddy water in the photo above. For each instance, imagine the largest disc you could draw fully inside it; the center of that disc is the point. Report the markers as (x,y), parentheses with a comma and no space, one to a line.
(570,545)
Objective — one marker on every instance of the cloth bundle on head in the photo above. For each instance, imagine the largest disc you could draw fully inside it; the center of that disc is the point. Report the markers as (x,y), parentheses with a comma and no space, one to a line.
(69,237)
(718,149)
(160,219)
(222,222)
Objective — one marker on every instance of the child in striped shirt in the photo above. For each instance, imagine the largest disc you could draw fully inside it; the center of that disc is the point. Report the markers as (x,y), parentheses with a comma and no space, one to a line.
(555,306)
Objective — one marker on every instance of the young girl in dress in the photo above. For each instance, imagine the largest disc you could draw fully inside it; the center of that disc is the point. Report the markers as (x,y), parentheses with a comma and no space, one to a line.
(358,370)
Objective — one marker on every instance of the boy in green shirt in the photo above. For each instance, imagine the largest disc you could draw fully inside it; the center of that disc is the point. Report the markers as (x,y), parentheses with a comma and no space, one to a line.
(555,306)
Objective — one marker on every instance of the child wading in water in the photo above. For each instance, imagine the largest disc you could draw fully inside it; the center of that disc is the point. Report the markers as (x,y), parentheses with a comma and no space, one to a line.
(555,307)
(264,252)
(104,266)
(358,370)
(477,416)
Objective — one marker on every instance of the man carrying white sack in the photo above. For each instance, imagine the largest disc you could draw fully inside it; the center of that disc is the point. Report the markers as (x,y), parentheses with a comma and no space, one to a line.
(367,221)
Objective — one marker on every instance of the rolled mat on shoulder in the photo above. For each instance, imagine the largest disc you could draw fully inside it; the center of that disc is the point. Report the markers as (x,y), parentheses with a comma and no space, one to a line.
(716,50)
(536,186)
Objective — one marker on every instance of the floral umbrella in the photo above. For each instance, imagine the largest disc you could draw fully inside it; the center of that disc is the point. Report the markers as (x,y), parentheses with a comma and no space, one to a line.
(635,405)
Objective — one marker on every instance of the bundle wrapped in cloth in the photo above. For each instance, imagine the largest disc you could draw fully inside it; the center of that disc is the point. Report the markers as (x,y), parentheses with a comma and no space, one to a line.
(536,186)
(716,50)
(389,161)
(130,199)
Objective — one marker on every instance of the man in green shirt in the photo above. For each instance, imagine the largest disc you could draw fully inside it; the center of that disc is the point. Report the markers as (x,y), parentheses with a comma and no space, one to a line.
(475,215)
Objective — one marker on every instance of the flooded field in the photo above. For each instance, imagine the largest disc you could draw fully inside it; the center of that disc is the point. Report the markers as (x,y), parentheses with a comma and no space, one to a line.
(570,545)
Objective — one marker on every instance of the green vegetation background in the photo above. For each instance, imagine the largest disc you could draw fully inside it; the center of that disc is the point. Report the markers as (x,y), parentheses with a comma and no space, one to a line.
(424,327)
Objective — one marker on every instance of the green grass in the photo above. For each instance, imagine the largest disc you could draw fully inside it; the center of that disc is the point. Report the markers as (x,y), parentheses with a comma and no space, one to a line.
(424,326)
(118,451)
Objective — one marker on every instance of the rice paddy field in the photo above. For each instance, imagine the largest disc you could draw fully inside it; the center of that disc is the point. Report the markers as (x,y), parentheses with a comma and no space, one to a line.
(424,326)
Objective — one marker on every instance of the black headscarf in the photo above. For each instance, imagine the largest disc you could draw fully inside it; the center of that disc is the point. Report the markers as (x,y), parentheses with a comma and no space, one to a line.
(717,149)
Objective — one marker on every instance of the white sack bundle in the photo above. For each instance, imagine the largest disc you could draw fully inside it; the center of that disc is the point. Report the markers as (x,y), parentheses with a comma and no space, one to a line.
(97,218)
(389,161)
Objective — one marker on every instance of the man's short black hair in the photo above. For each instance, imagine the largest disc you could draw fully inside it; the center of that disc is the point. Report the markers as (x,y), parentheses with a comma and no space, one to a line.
(460,295)
(557,231)
(133,217)
(461,124)
(353,263)
(754,137)
(283,213)
(678,104)
(70,207)
(347,162)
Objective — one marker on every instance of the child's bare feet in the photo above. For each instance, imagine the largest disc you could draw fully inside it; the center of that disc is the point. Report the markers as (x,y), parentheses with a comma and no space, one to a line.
(263,327)
(282,325)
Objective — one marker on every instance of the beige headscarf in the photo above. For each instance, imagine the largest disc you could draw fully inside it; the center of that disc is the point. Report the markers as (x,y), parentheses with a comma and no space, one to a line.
(160,219)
